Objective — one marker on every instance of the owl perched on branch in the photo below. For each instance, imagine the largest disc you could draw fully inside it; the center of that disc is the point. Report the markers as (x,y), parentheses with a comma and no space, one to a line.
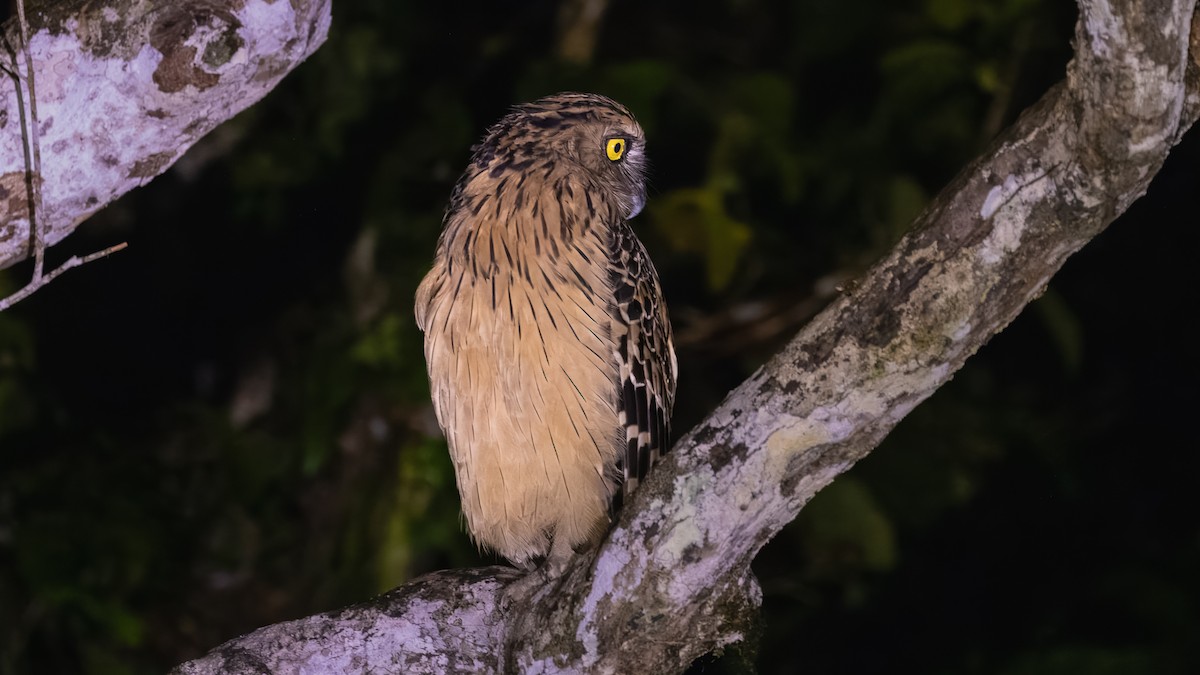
(547,340)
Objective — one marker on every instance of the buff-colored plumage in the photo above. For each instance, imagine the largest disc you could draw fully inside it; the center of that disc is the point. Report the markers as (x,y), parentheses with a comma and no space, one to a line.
(547,341)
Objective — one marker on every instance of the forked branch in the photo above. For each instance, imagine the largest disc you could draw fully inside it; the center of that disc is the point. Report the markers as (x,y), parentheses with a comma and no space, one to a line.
(671,581)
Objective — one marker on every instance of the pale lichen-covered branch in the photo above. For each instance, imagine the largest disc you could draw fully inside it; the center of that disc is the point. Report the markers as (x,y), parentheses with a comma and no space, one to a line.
(125,87)
(671,581)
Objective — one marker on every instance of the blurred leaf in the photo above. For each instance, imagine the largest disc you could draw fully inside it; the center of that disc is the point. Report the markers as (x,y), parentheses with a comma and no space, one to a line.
(695,220)
(125,627)
(9,284)
(906,199)
(916,69)
(382,345)
(987,77)
(843,524)
(1064,328)
(423,514)
(767,99)
(950,14)
(16,343)
(17,360)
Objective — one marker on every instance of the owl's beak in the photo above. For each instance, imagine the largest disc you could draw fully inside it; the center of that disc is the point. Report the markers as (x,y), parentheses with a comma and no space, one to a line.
(639,200)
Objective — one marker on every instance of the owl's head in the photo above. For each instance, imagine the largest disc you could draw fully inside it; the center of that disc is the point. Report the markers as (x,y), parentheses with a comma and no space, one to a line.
(585,134)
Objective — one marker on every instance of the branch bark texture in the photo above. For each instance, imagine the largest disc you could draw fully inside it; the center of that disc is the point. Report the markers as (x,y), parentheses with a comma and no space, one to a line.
(672,581)
(125,87)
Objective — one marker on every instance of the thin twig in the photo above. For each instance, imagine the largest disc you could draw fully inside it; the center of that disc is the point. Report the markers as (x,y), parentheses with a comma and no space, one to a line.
(73,261)
(35,205)
(35,242)
(33,179)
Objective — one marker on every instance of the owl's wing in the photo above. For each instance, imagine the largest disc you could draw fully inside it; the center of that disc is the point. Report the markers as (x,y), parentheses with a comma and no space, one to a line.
(642,336)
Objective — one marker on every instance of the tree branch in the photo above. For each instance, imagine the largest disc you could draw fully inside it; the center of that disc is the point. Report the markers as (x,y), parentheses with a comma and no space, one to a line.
(126,86)
(671,581)
(43,279)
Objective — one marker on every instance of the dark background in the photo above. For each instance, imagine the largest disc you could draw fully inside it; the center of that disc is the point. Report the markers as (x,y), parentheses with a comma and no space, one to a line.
(227,424)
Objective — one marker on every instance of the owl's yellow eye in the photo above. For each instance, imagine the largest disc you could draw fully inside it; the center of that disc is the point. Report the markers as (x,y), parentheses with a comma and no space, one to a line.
(616,148)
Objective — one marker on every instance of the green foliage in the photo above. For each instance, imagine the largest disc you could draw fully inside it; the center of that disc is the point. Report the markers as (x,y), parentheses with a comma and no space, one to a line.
(382,346)
(1063,326)
(694,220)
(422,517)
(17,364)
(846,529)
(230,425)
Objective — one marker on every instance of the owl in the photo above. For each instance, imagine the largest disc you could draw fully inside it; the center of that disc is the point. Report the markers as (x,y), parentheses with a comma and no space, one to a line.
(550,358)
